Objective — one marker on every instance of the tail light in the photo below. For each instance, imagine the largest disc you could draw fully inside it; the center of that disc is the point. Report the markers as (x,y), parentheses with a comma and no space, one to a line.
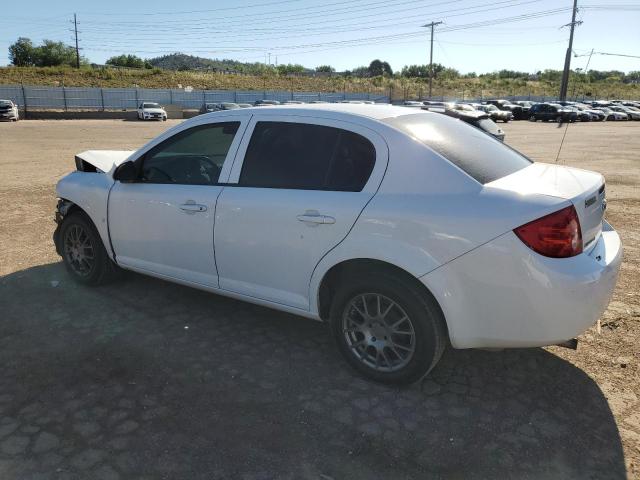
(556,235)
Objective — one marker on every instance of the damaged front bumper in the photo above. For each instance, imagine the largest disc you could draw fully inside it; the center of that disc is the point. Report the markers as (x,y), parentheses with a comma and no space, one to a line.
(62,207)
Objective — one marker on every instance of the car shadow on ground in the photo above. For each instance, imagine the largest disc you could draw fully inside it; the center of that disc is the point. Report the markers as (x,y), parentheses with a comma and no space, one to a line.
(146,379)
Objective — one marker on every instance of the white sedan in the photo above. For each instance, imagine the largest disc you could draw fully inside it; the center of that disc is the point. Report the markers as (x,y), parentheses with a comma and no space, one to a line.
(151,111)
(406,230)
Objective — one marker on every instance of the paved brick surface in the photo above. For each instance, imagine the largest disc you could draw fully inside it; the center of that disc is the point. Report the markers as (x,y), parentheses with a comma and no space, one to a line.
(145,379)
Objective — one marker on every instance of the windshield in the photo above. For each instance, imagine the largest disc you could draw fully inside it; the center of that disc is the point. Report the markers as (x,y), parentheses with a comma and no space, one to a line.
(150,105)
(6,103)
(479,155)
(490,108)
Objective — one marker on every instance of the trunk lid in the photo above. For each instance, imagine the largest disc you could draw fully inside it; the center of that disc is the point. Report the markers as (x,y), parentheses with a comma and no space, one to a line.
(585,189)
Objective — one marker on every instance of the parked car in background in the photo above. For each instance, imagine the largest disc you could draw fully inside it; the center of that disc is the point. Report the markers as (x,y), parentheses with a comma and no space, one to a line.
(496,114)
(404,230)
(612,115)
(631,114)
(517,110)
(596,115)
(412,103)
(551,111)
(582,116)
(265,103)
(216,107)
(318,101)
(9,111)
(292,102)
(245,105)
(151,111)
(476,118)
(525,104)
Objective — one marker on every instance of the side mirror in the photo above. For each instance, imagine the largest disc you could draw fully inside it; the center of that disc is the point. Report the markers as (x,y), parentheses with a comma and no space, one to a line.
(126,172)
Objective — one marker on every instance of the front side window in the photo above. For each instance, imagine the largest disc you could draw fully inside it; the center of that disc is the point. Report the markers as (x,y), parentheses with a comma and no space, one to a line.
(191,157)
(307,157)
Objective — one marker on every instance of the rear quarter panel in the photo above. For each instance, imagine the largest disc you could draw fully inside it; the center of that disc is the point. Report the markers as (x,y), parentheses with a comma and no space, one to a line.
(428,212)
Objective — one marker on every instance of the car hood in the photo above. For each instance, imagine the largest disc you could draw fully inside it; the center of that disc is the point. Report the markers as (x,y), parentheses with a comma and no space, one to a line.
(105,161)
(153,110)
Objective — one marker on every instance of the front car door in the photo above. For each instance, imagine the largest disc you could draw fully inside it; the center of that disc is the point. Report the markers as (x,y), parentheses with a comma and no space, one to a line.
(297,187)
(163,223)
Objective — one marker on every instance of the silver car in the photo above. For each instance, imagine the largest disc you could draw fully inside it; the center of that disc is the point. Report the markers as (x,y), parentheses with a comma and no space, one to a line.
(9,111)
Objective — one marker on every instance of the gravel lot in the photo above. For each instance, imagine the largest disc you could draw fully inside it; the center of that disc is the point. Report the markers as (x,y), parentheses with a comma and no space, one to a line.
(145,379)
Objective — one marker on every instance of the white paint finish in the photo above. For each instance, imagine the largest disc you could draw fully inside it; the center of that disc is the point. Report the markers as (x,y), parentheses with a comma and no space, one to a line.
(262,248)
(505,295)
(573,184)
(90,191)
(548,179)
(149,230)
(426,216)
(105,160)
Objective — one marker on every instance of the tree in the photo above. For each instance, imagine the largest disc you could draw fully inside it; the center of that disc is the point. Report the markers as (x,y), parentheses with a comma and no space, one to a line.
(378,68)
(285,69)
(325,69)
(22,53)
(130,61)
(52,54)
(49,54)
(421,71)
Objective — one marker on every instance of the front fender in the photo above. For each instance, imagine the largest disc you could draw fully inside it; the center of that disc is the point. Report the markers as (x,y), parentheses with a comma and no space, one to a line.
(90,192)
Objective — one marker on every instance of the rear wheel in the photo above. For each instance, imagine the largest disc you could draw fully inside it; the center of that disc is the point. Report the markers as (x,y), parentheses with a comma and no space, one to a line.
(82,251)
(386,328)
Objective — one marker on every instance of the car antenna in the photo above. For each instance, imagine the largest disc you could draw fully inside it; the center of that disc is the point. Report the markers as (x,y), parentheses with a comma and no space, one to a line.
(562,141)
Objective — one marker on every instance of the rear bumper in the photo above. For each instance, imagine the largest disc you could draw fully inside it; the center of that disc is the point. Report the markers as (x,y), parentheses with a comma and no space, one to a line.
(503,294)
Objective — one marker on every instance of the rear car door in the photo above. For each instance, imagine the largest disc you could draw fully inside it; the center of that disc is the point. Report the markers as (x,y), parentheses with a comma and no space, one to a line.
(297,187)
(163,222)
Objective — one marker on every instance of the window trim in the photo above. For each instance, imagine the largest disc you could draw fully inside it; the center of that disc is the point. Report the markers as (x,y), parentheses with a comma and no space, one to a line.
(321,119)
(139,162)
(223,117)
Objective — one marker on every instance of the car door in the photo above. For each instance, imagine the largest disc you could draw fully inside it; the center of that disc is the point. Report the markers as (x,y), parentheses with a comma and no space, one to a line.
(297,187)
(163,223)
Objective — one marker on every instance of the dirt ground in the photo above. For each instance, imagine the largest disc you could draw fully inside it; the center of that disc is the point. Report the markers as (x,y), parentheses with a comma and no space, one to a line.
(145,379)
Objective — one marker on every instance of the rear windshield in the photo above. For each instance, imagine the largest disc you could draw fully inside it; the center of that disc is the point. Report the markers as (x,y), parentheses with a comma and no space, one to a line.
(477,153)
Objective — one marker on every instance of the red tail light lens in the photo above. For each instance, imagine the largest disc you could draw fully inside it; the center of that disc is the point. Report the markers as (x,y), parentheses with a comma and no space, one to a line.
(556,235)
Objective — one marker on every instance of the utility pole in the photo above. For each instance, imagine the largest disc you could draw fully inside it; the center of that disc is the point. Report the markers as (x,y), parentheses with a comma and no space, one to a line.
(75,29)
(269,58)
(567,59)
(432,24)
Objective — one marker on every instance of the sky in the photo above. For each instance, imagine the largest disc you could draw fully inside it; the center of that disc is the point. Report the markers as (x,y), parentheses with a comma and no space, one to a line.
(475,36)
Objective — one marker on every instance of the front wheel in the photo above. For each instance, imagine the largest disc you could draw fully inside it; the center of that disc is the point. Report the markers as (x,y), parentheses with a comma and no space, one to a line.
(532,118)
(83,252)
(387,328)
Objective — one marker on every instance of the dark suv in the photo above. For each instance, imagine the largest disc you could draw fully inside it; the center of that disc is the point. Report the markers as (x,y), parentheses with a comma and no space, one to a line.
(551,111)
(517,110)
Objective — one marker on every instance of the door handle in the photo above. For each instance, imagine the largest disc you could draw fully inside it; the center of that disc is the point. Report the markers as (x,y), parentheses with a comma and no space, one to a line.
(316,218)
(192,207)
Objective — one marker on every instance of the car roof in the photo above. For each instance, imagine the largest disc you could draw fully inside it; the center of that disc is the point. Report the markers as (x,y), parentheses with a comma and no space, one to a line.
(375,112)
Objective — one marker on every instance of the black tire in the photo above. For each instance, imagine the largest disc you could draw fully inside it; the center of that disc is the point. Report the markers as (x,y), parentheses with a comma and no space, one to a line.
(423,314)
(77,227)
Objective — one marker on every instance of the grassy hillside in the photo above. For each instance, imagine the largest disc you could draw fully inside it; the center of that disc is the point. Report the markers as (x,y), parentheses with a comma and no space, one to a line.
(398,87)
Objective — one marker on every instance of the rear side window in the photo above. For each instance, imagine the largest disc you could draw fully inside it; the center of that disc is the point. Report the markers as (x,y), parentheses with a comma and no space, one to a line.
(475,152)
(307,157)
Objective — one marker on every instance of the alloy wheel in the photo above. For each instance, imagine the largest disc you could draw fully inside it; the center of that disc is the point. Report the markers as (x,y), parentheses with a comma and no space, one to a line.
(79,251)
(378,332)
